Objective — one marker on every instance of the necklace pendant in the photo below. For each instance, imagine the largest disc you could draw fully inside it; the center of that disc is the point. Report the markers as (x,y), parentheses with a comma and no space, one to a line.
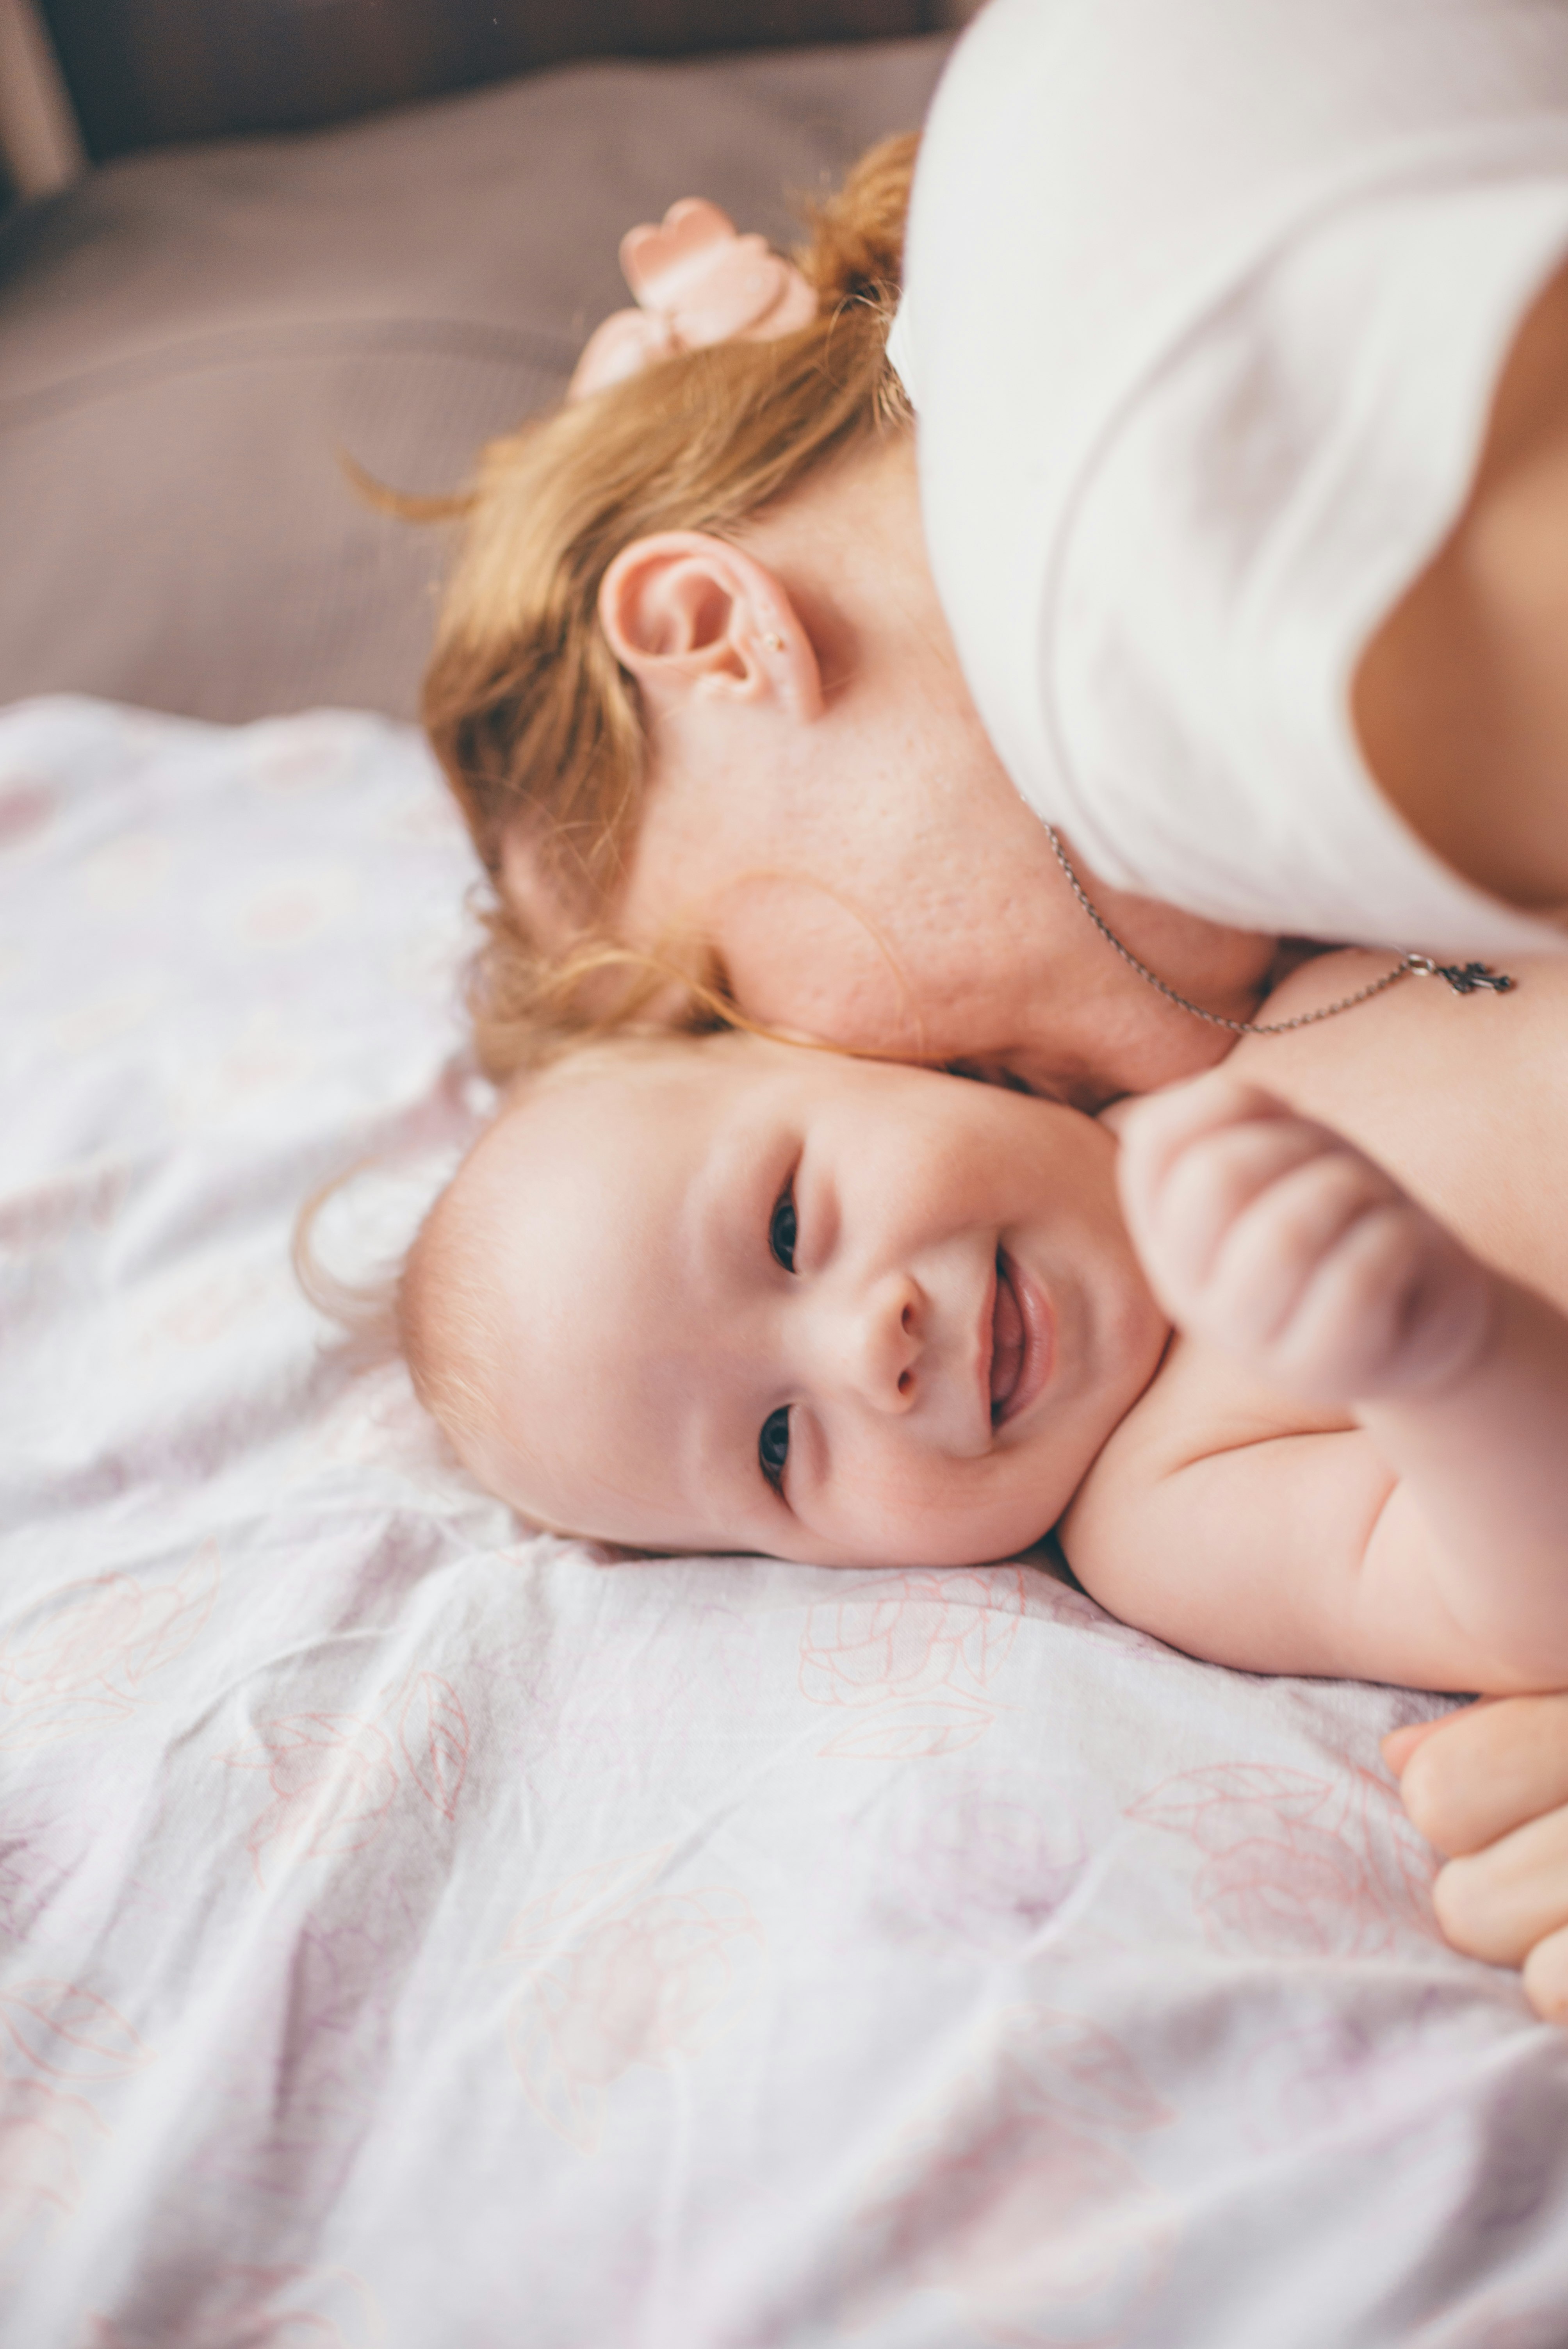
(1464,977)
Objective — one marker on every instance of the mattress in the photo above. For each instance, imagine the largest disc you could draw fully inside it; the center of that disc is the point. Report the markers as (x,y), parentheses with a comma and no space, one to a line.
(417,1928)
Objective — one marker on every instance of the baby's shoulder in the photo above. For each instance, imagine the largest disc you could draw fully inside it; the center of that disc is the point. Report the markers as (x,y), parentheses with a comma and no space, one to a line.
(1197,1404)
(1132,1516)
(1228,1520)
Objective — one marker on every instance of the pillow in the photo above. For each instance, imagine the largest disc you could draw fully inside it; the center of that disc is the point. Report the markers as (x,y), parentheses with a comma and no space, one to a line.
(188,338)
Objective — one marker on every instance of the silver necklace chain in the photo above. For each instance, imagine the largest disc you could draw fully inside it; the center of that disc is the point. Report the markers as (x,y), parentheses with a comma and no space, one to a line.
(1465,978)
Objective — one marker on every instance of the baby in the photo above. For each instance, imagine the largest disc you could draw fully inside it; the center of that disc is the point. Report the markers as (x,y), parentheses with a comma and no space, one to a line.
(737,1294)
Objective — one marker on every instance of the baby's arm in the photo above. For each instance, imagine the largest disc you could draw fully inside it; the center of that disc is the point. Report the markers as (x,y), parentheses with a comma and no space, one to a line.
(1274,1241)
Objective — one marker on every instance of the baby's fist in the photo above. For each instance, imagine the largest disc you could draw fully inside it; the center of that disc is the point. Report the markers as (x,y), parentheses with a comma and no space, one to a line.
(1278,1242)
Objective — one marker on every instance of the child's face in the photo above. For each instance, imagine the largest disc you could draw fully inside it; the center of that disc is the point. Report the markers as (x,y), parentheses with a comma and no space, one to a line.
(758,1297)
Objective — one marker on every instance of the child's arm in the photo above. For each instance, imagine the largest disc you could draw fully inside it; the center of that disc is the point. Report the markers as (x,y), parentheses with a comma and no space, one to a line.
(1275,1242)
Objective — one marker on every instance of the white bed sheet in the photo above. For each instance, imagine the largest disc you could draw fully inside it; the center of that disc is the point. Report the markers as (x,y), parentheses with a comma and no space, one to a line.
(414,1930)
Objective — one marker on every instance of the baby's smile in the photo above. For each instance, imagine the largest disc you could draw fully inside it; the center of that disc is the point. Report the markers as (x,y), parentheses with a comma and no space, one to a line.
(754,1296)
(1021,1346)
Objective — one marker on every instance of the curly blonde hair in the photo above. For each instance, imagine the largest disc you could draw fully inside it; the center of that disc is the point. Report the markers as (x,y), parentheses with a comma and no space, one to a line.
(524,702)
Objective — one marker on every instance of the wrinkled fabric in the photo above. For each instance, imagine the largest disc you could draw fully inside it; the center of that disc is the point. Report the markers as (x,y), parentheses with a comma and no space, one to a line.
(414,1930)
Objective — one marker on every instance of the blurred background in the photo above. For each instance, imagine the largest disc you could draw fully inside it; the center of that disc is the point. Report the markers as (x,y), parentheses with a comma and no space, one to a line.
(87,79)
(241,240)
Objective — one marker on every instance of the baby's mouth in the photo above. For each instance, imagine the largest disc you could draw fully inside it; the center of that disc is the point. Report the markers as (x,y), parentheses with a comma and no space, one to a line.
(1018,1350)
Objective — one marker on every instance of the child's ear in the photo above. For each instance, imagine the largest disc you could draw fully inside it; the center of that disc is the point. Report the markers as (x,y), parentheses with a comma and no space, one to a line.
(693,618)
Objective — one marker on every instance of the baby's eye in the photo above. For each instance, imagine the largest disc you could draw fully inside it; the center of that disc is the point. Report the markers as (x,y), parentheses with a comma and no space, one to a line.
(773,1445)
(781,1229)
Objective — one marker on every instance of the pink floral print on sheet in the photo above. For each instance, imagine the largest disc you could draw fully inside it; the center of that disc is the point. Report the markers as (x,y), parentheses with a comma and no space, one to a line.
(1296,1864)
(994,1862)
(60,2043)
(433,1739)
(1018,2199)
(334,1776)
(1324,2078)
(619,1974)
(37,1862)
(917,1652)
(46,2134)
(1392,2085)
(306,2090)
(258,2308)
(332,1782)
(82,1659)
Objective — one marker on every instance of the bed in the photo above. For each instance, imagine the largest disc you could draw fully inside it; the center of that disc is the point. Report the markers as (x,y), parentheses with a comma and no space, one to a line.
(415,1929)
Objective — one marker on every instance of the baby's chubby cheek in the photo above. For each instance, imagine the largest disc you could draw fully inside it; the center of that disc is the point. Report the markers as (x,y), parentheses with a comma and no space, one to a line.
(942,1512)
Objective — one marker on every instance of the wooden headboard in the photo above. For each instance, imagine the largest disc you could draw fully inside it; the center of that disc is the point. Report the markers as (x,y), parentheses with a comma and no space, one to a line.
(141,73)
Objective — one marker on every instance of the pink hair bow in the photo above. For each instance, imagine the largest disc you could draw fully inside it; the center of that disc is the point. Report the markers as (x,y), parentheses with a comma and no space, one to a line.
(697,282)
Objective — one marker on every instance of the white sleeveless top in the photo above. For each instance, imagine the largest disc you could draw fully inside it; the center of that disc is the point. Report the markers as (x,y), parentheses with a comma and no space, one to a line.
(1204,302)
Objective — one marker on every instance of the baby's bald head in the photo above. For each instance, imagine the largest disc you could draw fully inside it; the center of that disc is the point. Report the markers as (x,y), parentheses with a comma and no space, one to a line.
(497,1235)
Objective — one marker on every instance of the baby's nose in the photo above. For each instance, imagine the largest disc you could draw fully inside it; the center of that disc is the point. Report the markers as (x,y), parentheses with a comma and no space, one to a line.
(884,1340)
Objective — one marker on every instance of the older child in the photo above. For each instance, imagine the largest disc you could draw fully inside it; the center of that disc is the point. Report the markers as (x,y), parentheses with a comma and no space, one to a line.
(733,1294)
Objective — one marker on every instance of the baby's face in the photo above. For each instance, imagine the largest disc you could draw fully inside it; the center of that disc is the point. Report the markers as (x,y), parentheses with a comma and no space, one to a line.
(758,1297)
